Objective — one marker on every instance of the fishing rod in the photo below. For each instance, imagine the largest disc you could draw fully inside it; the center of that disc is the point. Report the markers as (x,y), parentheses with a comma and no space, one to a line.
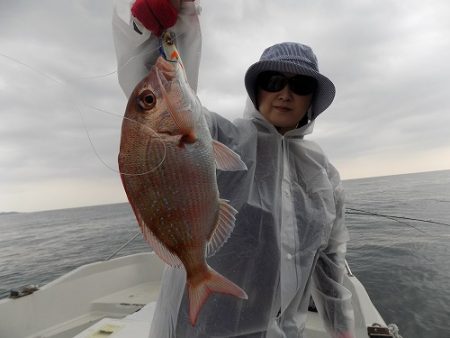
(354,211)
(123,246)
(350,211)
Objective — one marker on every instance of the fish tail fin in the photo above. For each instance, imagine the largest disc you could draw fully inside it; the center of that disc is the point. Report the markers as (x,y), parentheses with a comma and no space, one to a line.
(213,282)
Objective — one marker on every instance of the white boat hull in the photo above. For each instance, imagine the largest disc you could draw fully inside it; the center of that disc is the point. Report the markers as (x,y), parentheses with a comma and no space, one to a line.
(105,295)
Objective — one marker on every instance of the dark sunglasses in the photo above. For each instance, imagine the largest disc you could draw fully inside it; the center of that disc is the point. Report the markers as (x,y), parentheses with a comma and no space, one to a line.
(274,82)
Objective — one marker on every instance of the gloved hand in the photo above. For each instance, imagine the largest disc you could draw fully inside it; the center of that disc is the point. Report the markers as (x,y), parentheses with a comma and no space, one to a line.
(156,15)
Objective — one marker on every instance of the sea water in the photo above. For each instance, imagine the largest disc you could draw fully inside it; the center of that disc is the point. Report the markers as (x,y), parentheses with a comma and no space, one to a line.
(404,264)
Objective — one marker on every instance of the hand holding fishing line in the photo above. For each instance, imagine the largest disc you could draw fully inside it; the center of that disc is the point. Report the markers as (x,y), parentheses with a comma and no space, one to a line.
(157,15)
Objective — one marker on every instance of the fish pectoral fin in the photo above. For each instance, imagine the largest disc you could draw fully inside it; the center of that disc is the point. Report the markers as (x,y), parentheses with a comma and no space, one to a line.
(223,229)
(227,159)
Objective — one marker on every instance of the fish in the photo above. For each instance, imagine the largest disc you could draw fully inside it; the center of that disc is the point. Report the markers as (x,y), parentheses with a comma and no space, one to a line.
(167,163)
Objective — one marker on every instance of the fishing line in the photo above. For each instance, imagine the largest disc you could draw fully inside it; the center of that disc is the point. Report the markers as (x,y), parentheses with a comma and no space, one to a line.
(94,77)
(397,217)
(131,120)
(360,212)
(69,83)
(76,101)
(150,53)
(393,219)
(43,74)
(365,213)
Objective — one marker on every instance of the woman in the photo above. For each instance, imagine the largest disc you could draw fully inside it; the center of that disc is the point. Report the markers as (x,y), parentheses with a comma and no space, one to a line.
(290,238)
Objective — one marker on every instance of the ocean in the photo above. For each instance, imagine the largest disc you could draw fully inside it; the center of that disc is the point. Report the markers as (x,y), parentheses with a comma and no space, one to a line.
(399,248)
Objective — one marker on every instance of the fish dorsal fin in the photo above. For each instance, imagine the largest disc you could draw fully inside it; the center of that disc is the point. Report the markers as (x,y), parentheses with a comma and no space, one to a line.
(223,229)
(168,257)
(227,159)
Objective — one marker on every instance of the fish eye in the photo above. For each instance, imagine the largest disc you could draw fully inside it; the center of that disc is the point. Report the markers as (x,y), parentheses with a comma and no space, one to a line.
(147,100)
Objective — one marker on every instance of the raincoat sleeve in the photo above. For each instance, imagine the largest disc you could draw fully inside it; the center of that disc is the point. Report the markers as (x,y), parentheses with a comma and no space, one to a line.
(137,48)
(332,299)
(222,129)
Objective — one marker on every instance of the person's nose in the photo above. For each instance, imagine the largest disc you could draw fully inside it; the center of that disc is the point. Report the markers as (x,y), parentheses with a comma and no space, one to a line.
(285,94)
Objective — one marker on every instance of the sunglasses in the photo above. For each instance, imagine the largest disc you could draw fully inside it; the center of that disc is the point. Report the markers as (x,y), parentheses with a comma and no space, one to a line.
(274,82)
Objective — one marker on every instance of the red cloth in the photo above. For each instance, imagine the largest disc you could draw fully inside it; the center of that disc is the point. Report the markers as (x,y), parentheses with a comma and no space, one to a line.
(155,15)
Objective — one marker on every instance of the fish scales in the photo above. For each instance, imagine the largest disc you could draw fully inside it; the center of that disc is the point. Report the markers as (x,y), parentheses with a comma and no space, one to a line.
(173,183)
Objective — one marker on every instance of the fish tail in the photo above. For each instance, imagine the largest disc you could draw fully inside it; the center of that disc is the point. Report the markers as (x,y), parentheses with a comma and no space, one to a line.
(213,282)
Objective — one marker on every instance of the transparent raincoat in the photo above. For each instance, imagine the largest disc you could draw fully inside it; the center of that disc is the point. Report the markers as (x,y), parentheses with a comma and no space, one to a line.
(289,241)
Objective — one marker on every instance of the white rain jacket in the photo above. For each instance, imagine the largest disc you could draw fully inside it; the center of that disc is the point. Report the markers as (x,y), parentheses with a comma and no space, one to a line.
(290,238)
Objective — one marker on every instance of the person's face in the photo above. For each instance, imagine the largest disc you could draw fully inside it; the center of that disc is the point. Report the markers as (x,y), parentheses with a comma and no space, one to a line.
(283,108)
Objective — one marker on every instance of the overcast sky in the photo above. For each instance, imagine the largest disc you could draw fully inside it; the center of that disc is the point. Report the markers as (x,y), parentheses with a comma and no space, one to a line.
(389,60)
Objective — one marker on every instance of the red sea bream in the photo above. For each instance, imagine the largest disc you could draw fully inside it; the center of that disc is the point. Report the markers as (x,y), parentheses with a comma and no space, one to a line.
(168,167)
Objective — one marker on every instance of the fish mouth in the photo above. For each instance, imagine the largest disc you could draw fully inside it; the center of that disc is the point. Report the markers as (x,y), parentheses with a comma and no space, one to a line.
(167,132)
(171,80)
(165,75)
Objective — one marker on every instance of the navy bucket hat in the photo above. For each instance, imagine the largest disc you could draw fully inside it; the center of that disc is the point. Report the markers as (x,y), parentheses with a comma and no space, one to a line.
(296,58)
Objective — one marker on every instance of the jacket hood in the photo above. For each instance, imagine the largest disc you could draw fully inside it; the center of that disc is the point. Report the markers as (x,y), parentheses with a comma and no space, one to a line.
(250,112)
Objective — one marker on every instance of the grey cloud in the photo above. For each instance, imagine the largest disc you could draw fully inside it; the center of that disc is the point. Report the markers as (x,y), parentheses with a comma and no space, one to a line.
(388,60)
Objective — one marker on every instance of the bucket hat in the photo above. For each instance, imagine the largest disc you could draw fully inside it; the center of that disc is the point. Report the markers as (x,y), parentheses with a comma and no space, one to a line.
(296,58)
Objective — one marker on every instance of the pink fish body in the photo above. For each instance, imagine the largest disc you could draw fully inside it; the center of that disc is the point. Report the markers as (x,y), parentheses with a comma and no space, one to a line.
(168,166)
